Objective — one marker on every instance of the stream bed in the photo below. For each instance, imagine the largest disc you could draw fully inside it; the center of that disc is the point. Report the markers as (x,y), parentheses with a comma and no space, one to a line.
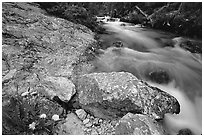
(157,58)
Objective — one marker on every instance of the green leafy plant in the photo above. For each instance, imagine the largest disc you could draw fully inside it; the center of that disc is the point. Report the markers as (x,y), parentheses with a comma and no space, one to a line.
(22,116)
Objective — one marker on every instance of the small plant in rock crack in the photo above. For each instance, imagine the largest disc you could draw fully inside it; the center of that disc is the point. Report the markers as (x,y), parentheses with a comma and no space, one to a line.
(22,116)
(43,126)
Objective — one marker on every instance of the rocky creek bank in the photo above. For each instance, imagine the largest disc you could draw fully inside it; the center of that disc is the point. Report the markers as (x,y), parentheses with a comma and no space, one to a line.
(46,88)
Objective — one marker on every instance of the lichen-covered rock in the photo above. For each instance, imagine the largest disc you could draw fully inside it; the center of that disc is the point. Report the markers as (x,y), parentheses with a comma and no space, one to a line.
(71,126)
(112,95)
(138,124)
(38,44)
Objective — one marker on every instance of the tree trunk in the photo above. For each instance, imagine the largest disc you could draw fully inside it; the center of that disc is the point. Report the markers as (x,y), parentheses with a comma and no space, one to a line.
(140,11)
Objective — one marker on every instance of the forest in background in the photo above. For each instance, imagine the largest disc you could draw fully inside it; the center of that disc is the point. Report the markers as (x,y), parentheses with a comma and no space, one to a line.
(182,18)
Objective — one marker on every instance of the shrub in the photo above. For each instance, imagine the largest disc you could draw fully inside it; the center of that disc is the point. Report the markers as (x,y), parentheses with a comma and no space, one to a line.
(75,12)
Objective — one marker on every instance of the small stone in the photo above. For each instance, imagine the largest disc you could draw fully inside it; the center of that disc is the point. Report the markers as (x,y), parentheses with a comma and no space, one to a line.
(86,121)
(34,93)
(85,129)
(88,116)
(100,120)
(96,122)
(114,122)
(81,114)
(88,124)
(94,132)
(99,131)
(25,94)
(91,117)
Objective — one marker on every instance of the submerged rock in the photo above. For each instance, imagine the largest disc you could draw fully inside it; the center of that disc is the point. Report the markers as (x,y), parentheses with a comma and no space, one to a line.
(118,44)
(138,124)
(159,76)
(112,95)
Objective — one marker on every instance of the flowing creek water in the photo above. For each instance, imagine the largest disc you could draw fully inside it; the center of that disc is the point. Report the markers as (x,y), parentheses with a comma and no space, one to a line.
(153,57)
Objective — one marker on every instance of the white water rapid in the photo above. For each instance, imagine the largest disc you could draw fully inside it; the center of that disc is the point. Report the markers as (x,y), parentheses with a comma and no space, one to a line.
(145,55)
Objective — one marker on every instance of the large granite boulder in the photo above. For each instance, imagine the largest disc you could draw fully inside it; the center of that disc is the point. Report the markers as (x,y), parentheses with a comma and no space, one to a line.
(112,95)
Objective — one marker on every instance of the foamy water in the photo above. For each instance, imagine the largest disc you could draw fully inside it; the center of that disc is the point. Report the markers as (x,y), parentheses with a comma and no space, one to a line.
(190,115)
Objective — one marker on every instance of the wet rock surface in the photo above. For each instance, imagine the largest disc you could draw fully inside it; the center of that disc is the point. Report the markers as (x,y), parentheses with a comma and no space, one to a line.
(112,95)
(159,76)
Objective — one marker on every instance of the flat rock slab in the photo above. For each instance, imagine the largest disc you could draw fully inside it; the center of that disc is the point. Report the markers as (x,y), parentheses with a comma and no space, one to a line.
(137,124)
(112,95)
